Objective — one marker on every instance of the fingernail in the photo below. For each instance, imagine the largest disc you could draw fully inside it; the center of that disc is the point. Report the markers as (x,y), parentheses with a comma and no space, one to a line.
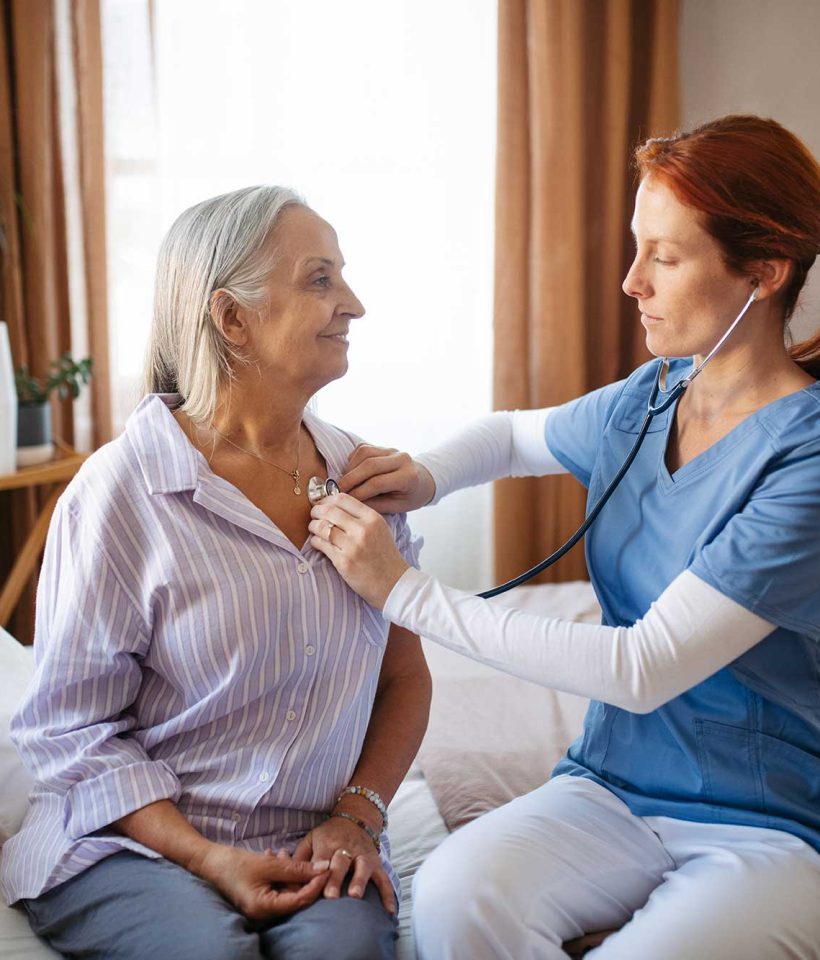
(331,894)
(354,891)
(321,865)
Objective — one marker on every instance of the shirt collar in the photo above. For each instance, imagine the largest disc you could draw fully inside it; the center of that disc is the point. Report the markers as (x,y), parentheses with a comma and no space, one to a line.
(170,463)
(166,457)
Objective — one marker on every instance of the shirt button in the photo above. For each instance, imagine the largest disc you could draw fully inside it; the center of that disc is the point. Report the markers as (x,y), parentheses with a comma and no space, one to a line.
(302,568)
(264,777)
(291,715)
(235,817)
(310,650)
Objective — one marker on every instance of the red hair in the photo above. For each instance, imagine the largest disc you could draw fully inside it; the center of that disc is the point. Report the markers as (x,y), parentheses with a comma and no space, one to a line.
(758,188)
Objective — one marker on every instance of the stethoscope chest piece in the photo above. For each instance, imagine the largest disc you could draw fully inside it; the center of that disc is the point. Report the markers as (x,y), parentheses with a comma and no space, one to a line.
(319,489)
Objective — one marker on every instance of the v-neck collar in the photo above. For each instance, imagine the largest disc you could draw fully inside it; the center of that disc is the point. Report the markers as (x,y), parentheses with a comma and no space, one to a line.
(222,498)
(716,451)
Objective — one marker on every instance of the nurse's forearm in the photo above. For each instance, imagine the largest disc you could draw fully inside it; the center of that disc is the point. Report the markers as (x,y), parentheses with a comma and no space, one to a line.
(503,444)
(689,633)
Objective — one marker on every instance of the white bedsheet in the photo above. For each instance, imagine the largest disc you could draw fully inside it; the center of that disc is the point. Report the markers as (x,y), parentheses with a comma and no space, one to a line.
(17,941)
(416,829)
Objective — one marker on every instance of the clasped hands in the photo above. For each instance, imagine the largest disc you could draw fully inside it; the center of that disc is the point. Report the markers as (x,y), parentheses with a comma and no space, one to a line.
(268,886)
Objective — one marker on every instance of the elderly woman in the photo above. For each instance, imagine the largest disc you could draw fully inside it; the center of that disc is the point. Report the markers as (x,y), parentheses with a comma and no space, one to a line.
(208,689)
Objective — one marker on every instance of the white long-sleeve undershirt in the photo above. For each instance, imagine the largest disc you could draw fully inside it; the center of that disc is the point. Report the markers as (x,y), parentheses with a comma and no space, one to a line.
(510,443)
(689,633)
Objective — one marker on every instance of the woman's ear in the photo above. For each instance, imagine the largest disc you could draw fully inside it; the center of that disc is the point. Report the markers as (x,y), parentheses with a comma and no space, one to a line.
(228,318)
(770,276)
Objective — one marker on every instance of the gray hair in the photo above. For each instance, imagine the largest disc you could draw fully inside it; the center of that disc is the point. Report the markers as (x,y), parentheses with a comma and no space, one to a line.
(217,245)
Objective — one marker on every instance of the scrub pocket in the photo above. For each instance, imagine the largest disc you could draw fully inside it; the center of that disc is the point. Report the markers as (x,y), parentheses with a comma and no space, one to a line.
(791,781)
(730,764)
(746,771)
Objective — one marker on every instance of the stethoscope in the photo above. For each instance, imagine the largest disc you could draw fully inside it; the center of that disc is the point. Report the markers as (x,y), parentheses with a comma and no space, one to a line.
(319,489)
(653,408)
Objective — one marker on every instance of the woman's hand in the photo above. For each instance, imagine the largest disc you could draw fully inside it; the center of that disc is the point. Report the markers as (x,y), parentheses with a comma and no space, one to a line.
(387,480)
(359,544)
(259,885)
(333,840)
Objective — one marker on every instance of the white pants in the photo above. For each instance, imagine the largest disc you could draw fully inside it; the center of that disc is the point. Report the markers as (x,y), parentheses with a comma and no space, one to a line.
(570,858)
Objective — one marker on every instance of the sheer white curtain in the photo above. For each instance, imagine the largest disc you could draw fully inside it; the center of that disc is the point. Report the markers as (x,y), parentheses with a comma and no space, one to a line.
(383,116)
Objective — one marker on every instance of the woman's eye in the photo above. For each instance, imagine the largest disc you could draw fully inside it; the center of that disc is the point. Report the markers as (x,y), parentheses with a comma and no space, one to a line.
(664,263)
(323,281)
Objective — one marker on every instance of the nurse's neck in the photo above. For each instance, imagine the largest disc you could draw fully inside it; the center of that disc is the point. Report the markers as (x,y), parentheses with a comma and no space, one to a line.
(750,371)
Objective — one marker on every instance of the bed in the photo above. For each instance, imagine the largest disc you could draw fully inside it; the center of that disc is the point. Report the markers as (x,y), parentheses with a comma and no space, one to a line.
(491,737)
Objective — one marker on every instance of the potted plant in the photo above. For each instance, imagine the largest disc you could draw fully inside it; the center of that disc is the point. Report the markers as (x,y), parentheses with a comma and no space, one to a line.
(34,441)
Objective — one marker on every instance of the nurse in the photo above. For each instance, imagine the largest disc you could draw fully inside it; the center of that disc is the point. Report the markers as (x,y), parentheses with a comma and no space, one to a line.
(687,815)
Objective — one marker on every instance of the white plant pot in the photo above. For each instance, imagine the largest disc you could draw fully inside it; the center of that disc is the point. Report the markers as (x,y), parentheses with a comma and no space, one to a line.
(8,405)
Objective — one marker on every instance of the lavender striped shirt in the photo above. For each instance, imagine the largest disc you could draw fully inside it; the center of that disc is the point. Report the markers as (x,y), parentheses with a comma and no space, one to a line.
(186,650)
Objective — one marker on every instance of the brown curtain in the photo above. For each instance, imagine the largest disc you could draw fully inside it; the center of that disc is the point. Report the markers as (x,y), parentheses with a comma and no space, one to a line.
(580,83)
(34,292)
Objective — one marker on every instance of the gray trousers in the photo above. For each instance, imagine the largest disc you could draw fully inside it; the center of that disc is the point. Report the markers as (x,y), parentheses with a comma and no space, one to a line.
(129,907)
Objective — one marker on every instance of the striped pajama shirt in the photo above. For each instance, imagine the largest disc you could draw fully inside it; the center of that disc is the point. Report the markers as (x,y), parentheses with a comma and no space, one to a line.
(186,650)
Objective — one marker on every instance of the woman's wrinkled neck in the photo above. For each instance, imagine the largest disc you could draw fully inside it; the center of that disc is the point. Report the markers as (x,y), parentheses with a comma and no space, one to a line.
(261,414)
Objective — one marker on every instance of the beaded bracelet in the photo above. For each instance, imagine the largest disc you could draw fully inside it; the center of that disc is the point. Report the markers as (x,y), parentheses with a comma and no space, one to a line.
(360,823)
(370,795)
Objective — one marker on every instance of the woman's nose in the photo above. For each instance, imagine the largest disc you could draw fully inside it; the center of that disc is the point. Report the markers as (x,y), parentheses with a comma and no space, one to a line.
(353,306)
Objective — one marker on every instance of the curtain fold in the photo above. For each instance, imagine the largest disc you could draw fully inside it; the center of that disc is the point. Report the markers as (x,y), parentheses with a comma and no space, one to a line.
(38,171)
(580,82)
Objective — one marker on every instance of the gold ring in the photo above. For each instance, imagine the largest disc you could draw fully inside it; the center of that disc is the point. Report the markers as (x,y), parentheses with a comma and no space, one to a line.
(346,853)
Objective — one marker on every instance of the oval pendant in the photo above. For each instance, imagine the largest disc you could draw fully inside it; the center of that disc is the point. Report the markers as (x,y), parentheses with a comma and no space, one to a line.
(297,490)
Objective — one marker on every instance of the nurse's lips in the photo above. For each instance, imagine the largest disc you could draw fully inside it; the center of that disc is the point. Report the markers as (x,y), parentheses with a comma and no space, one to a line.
(648,319)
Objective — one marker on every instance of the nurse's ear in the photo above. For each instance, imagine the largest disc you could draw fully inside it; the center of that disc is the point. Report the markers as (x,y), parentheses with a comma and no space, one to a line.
(769,277)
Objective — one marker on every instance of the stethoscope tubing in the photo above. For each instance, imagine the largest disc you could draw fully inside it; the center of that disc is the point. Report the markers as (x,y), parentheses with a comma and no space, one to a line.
(652,411)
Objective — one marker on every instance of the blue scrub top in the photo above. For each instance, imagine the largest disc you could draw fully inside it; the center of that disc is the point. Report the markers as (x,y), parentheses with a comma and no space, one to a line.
(743,746)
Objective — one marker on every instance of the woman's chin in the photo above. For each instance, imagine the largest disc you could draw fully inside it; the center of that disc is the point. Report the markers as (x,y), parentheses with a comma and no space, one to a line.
(332,372)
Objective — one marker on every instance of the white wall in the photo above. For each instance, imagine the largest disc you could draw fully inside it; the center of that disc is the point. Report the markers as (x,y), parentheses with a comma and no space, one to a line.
(756,56)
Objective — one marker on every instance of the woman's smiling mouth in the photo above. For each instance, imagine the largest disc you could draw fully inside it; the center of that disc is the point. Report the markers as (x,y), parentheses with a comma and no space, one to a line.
(340,337)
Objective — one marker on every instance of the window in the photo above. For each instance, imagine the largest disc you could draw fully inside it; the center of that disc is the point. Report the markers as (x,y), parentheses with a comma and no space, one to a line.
(383,116)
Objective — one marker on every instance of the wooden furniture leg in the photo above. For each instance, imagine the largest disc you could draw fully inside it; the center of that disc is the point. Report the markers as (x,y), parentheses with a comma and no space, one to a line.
(26,563)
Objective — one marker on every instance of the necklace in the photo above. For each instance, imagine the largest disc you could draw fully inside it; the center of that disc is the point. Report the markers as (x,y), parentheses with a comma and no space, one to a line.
(294,474)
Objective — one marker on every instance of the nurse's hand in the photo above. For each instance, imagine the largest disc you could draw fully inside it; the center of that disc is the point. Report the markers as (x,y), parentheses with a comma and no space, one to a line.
(387,480)
(359,544)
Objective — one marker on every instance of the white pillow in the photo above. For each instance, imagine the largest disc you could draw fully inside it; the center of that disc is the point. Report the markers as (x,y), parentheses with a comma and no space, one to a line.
(16,668)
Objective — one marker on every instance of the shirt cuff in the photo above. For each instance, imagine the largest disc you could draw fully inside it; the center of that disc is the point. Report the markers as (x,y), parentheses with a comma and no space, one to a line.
(430,463)
(404,590)
(96,803)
